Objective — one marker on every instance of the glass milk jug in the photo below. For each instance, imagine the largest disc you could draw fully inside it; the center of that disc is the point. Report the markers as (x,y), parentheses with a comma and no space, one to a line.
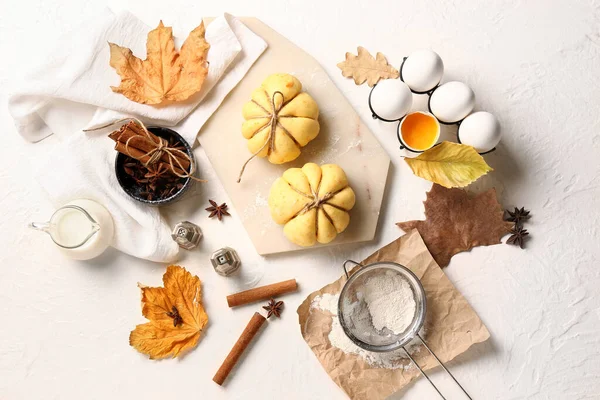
(82,229)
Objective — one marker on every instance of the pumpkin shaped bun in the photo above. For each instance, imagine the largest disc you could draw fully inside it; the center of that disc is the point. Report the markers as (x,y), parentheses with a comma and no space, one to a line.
(313,202)
(280,119)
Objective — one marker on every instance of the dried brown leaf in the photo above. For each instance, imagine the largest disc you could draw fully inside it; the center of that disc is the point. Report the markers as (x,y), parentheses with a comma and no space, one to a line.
(456,222)
(365,67)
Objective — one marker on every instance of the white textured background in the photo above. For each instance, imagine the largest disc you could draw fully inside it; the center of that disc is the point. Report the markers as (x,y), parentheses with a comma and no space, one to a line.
(64,325)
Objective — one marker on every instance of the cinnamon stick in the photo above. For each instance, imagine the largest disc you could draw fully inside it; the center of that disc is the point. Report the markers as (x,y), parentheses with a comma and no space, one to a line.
(238,348)
(142,157)
(262,293)
(140,142)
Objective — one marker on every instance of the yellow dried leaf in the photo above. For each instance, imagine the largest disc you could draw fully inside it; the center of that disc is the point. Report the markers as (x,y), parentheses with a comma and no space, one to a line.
(364,67)
(164,74)
(449,164)
(161,337)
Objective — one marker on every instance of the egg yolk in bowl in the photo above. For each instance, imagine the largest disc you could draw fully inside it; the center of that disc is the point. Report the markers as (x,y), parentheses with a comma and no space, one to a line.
(419,131)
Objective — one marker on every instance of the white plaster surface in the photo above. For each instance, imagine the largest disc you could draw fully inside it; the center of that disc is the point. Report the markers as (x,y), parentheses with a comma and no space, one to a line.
(64,325)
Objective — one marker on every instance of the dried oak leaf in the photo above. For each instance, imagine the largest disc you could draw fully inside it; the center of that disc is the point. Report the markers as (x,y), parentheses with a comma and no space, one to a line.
(456,221)
(161,337)
(449,164)
(164,74)
(364,67)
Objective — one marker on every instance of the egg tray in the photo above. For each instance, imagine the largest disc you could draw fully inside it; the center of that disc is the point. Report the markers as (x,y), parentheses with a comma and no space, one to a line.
(399,120)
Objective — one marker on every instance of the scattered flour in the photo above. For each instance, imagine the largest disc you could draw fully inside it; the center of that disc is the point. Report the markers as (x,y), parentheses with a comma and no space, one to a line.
(326,302)
(253,209)
(261,201)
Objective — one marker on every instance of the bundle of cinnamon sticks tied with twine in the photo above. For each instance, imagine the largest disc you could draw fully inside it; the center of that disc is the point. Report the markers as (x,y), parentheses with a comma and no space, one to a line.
(136,141)
(155,163)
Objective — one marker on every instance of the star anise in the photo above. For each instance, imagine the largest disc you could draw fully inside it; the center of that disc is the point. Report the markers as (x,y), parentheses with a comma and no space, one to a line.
(518,216)
(153,174)
(517,236)
(152,183)
(174,313)
(216,210)
(274,308)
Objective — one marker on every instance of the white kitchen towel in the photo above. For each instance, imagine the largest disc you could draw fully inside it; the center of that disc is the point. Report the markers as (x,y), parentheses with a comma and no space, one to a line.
(78,70)
(82,165)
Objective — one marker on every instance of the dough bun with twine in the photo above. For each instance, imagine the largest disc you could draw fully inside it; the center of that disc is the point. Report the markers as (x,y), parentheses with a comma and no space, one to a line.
(312,202)
(280,119)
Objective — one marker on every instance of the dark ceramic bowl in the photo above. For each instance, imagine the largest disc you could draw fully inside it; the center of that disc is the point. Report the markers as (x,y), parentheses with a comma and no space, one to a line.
(133,189)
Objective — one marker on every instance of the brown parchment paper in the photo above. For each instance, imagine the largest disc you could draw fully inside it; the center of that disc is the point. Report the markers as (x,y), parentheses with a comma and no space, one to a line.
(452,326)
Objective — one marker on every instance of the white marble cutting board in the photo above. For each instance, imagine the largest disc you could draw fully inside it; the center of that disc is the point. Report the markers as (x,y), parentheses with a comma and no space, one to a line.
(344,140)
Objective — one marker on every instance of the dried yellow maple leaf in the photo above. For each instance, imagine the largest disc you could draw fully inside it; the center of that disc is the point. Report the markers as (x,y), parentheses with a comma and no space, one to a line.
(365,67)
(449,164)
(176,316)
(165,74)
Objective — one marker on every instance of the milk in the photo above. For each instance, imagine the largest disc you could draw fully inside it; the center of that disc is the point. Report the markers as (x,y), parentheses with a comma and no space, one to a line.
(81,229)
(73,227)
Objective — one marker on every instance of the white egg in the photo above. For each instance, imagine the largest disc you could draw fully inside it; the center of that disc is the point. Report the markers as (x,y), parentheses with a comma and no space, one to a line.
(480,130)
(422,70)
(452,101)
(390,100)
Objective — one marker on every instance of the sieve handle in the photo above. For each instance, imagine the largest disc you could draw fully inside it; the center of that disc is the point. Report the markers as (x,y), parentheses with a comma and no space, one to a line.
(443,366)
(423,373)
(346,269)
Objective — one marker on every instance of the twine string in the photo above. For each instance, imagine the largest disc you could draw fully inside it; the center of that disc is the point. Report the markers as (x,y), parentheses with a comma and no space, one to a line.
(316,203)
(270,141)
(155,154)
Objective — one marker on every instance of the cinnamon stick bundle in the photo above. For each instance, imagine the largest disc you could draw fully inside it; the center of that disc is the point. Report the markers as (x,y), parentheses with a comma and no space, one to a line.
(132,140)
(144,158)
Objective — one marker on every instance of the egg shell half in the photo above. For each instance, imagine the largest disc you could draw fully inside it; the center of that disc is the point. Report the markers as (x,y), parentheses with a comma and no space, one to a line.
(452,102)
(422,70)
(390,99)
(480,130)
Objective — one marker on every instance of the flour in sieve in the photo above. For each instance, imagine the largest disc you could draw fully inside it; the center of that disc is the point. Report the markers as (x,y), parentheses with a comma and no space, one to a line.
(337,337)
(390,301)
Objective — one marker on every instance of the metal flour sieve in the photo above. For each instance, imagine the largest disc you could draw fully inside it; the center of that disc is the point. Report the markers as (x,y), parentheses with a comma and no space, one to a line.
(384,340)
